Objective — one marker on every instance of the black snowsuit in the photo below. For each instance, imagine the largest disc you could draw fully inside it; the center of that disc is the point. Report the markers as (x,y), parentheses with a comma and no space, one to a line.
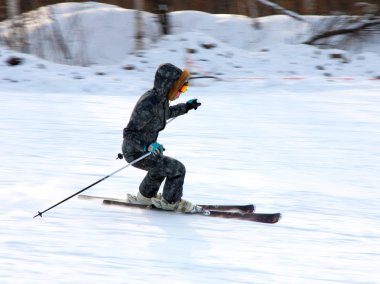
(147,120)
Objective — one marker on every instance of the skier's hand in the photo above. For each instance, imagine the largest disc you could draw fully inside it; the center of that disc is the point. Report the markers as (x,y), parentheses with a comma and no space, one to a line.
(155,149)
(192,104)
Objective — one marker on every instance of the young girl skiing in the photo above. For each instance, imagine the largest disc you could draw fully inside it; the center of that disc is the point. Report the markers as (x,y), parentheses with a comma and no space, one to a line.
(148,118)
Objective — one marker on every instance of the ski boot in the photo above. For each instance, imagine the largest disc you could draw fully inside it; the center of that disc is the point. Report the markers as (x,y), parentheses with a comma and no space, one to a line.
(139,199)
(179,206)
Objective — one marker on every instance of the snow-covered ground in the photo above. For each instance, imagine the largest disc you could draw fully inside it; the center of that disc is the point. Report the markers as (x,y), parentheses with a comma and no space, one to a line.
(277,131)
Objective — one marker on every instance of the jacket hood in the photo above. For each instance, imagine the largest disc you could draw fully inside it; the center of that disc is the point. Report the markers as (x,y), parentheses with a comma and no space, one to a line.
(169,79)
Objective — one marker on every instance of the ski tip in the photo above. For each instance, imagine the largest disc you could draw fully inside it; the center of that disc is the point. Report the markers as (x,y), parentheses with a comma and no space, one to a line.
(276,217)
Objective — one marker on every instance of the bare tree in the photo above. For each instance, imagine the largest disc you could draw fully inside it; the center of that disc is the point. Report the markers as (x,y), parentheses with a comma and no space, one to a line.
(346,27)
(139,34)
(16,36)
(12,8)
(254,13)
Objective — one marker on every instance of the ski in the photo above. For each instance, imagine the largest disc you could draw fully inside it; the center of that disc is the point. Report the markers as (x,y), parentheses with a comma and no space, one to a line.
(248,208)
(256,217)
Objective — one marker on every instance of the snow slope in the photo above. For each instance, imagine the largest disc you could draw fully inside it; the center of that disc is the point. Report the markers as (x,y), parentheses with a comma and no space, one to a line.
(308,148)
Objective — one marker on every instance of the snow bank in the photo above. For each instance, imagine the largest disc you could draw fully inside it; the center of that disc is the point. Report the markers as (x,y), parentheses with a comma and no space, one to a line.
(93,33)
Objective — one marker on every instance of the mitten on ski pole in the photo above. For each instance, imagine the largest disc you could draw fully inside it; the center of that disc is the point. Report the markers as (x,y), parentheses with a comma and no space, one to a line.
(192,104)
(155,149)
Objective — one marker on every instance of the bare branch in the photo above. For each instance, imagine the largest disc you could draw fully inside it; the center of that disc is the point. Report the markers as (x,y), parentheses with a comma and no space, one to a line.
(282,10)
(360,26)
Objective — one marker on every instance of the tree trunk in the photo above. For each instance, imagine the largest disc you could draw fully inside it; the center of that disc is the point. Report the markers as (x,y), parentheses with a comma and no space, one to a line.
(139,34)
(13,8)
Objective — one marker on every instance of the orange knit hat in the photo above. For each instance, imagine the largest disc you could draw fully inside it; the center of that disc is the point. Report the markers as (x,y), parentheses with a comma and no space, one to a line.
(178,84)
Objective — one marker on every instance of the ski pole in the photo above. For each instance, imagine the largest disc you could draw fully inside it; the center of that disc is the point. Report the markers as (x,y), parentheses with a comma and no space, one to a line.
(91,185)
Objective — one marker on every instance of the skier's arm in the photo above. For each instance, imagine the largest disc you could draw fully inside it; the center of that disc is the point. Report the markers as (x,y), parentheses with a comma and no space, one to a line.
(177,110)
(183,108)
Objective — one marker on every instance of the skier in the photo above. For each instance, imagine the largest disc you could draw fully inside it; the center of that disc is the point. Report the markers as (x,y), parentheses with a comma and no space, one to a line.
(148,118)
